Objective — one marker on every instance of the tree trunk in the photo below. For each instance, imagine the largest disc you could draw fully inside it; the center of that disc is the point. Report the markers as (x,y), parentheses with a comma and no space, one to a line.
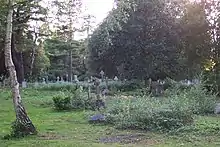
(70,66)
(33,54)
(21,115)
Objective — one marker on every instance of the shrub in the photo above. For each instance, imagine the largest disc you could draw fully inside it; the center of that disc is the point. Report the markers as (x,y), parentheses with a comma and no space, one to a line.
(76,99)
(62,101)
(149,114)
(173,112)
(80,100)
(199,100)
(211,81)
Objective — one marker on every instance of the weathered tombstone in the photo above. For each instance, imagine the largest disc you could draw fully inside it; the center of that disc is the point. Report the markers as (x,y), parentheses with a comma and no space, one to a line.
(98,118)
(99,102)
(36,84)
(156,88)
(44,81)
(47,79)
(6,82)
(75,78)
(102,75)
(81,88)
(62,80)
(105,92)
(66,77)
(58,79)
(97,87)
(24,84)
(189,82)
(217,109)
(115,78)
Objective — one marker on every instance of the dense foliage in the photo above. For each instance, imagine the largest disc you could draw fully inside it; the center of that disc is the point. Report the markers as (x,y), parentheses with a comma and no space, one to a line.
(157,39)
(164,114)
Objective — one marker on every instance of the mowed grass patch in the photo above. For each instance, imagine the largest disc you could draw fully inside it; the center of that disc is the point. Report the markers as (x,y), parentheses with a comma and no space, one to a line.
(71,129)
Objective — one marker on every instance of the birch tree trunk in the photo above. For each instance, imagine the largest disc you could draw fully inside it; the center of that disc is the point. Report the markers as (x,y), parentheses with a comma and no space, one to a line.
(21,116)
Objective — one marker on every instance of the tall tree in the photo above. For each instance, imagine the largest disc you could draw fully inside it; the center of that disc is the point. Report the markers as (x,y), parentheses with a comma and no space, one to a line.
(67,17)
(21,116)
(138,39)
(195,37)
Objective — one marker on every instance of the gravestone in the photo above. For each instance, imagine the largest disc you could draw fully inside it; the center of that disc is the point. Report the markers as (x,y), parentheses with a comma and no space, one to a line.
(217,109)
(6,82)
(81,88)
(47,79)
(100,104)
(156,88)
(24,84)
(102,75)
(115,78)
(44,81)
(58,79)
(97,118)
(36,84)
(62,80)
(75,78)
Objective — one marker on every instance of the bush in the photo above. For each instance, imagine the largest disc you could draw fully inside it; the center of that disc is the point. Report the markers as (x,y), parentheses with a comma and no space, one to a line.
(211,81)
(69,100)
(80,100)
(148,114)
(175,87)
(168,113)
(62,101)
(199,100)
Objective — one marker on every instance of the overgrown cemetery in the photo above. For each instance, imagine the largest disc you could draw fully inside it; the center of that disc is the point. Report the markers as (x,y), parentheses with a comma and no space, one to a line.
(147,75)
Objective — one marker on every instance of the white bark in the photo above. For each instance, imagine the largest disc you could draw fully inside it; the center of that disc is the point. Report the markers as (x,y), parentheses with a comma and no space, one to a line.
(21,115)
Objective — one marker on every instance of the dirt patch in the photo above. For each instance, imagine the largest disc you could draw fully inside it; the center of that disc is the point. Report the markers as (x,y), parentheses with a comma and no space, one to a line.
(124,138)
(52,136)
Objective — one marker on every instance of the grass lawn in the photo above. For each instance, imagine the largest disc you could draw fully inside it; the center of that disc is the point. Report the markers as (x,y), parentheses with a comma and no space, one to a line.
(71,129)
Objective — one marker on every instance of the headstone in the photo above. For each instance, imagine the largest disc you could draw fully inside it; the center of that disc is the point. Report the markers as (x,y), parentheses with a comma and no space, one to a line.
(156,88)
(47,79)
(97,118)
(81,88)
(58,79)
(188,82)
(115,78)
(6,82)
(62,79)
(102,75)
(44,81)
(217,109)
(36,84)
(76,78)
(105,92)
(24,84)
(66,77)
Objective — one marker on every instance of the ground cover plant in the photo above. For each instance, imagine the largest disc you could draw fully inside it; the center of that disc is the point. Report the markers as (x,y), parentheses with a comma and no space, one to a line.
(71,128)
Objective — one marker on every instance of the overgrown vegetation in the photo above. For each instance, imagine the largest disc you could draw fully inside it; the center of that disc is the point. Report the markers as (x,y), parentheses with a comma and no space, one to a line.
(163,113)
(72,128)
